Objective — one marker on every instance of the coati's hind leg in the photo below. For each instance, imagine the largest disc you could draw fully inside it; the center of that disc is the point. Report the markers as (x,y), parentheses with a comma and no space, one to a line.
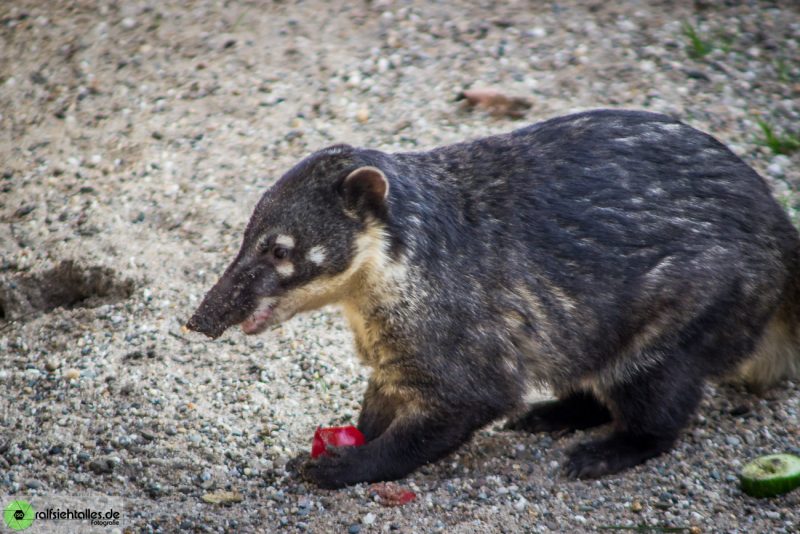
(577,411)
(649,412)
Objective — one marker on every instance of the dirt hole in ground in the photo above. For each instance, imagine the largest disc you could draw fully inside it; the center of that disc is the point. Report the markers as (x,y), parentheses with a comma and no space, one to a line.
(67,285)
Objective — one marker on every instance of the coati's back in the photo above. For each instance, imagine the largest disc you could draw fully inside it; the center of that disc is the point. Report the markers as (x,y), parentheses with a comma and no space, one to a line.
(608,231)
(619,257)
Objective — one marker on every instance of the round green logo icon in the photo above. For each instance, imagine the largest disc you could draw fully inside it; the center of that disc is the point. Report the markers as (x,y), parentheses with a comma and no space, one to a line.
(18,515)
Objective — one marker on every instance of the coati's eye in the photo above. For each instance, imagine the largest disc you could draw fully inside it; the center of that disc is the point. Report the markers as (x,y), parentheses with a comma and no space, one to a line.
(279,252)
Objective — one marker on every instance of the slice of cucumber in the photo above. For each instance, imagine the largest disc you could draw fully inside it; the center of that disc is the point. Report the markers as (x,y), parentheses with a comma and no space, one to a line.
(771,475)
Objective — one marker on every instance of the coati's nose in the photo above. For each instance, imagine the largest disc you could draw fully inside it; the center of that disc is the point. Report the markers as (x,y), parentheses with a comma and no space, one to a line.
(218,310)
(202,323)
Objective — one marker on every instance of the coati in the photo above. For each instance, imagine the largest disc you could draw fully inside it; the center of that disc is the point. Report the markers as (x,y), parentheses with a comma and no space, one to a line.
(620,258)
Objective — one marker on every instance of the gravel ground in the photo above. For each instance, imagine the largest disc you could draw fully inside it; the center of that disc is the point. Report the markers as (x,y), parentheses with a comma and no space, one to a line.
(135,138)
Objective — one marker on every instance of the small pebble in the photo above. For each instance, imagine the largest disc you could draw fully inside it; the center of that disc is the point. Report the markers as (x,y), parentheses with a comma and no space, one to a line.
(775,169)
(101,466)
(72,374)
(733,441)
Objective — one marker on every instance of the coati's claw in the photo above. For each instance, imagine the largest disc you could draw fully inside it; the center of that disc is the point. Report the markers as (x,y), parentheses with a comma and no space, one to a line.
(294,467)
(588,460)
(597,458)
(529,423)
(335,469)
(537,423)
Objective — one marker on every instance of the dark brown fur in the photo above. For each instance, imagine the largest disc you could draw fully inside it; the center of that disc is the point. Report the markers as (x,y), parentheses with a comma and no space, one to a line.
(620,258)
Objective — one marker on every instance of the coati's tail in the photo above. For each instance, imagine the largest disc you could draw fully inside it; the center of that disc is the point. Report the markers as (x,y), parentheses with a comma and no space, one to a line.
(777,355)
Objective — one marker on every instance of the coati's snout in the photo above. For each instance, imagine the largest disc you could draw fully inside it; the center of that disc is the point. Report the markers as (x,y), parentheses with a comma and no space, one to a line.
(266,284)
(236,298)
(301,248)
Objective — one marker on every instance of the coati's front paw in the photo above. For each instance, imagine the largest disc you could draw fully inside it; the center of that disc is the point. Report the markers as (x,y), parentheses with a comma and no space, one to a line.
(337,468)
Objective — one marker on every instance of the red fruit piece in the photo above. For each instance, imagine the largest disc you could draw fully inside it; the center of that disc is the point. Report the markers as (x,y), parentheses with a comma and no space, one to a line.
(337,436)
(391,494)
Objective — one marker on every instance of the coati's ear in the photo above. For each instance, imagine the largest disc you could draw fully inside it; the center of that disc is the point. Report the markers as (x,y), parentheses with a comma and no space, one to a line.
(366,188)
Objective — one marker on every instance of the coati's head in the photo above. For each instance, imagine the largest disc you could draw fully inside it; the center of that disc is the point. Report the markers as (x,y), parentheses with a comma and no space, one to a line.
(306,244)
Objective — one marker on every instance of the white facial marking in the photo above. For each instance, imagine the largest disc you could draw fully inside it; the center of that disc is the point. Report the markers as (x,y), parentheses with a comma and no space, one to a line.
(285,269)
(285,241)
(316,255)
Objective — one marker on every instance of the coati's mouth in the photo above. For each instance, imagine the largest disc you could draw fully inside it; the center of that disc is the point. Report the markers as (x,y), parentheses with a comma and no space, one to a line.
(261,318)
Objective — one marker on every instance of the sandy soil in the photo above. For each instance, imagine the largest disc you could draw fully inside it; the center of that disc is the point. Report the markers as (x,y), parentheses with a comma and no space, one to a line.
(135,138)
